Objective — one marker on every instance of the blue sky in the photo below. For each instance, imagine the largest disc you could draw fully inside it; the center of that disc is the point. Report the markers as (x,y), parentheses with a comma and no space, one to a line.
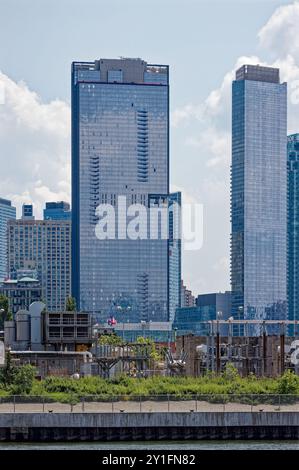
(199,39)
(202,41)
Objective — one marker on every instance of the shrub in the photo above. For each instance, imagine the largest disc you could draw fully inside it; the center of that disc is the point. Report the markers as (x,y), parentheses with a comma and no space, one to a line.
(110,339)
(7,374)
(23,380)
(230,373)
(288,384)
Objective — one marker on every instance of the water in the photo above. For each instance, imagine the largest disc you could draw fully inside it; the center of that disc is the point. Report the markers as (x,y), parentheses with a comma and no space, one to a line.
(164,445)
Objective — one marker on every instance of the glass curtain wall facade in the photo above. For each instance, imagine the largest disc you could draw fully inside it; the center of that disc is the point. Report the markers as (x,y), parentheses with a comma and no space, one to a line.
(44,246)
(120,147)
(193,320)
(57,211)
(7,212)
(175,249)
(293,229)
(259,194)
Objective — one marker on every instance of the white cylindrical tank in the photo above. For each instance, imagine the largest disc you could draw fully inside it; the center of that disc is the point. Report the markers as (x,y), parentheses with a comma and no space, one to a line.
(9,333)
(23,326)
(35,311)
(2,353)
(201,349)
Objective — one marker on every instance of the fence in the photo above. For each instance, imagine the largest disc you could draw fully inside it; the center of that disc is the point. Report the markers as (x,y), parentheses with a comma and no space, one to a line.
(150,404)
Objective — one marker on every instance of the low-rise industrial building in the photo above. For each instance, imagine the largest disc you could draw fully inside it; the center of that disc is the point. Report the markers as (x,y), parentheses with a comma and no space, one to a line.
(55,343)
(58,363)
(67,330)
(37,330)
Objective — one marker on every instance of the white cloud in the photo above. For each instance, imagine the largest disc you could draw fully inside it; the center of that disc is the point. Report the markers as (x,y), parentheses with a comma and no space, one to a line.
(187,197)
(222,264)
(217,102)
(215,144)
(280,33)
(181,115)
(35,146)
(207,129)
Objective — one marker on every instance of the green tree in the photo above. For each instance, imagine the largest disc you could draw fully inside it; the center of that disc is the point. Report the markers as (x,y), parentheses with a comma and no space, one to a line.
(230,373)
(110,339)
(9,316)
(288,383)
(151,348)
(4,310)
(23,379)
(8,371)
(71,304)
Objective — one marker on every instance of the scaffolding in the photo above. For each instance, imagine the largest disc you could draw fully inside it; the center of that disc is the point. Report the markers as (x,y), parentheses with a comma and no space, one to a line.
(134,358)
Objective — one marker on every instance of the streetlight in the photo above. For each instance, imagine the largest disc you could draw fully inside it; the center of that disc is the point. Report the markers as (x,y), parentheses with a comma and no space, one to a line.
(143,325)
(175,334)
(240,311)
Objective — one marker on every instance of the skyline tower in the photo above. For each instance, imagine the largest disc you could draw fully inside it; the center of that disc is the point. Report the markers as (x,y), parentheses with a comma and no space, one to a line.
(7,212)
(120,148)
(259,194)
(293,228)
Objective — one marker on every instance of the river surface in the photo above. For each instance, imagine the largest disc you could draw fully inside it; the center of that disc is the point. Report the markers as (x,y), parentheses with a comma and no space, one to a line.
(165,445)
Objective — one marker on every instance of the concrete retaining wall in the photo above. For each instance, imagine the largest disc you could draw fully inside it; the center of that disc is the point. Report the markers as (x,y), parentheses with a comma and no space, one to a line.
(145,426)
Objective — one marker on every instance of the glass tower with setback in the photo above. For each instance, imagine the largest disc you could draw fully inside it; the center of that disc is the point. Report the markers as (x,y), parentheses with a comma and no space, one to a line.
(259,194)
(7,212)
(120,148)
(293,228)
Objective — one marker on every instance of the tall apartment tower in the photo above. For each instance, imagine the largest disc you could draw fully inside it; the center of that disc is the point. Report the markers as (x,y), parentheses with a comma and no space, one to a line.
(259,194)
(187,298)
(120,148)
(43,246)
(7,212)
(293,228)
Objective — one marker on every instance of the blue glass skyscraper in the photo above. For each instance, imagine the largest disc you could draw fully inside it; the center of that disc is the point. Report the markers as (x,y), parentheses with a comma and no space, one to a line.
(7,212)
(120,147)
(57,211)
(293,228)
(259,194)
(175,248)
